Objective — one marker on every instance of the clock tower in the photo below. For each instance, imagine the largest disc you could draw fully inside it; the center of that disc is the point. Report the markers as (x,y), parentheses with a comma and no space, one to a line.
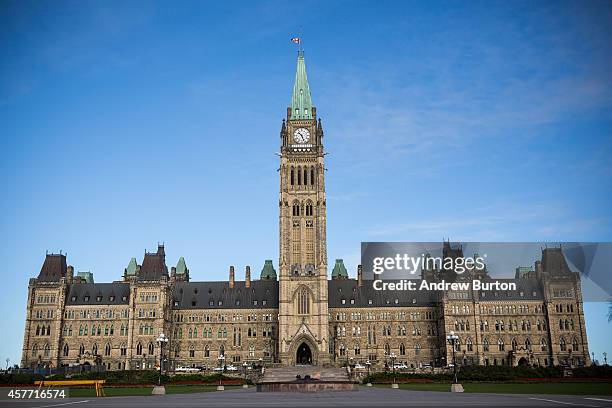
(303,308)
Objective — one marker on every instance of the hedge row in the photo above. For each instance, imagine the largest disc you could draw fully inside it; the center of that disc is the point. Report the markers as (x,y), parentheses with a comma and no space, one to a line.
(493,373)
(118,377)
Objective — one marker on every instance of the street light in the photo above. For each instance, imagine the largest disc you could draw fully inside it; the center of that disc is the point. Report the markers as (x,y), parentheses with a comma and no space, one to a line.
(368,364)
(162,340)
(605,358)
(393,357)
(244,367)
(221,359)
(452,339)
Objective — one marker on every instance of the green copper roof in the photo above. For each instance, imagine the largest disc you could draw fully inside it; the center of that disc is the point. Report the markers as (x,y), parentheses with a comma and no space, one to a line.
(268,271)
(86,276)
(131,268)
(301,102)
(339,271)
(181,268)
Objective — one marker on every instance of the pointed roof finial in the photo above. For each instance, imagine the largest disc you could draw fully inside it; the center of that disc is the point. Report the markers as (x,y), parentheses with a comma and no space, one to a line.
(301,101)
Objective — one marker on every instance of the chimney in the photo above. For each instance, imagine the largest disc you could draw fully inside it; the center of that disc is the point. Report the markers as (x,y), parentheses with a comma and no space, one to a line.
(538,267)
(69,274)
(359,276)
(231,278)
(247,277)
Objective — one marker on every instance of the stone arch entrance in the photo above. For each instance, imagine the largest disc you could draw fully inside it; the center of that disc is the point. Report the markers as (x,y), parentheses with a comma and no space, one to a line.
(303,354)
(523,362)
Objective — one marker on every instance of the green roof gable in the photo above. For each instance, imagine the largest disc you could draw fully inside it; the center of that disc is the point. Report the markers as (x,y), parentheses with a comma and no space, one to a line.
(131,268)
(181,267)
(86,276)
(301,101)
(268,271)
(339,271)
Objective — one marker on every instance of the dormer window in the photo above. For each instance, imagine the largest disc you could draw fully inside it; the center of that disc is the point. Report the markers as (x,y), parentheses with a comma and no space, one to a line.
(111,298)
(369,301)
(124,298)
(86,299)
(73,299)
(264,302)
(176,303)
(99,298)
(343,301)
(220,303)
(352,301)
(237,302)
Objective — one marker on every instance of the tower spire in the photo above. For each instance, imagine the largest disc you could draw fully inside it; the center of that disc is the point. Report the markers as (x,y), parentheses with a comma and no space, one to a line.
(301,101)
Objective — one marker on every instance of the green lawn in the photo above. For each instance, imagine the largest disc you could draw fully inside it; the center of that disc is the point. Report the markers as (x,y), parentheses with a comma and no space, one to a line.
(592,388)
(127,391)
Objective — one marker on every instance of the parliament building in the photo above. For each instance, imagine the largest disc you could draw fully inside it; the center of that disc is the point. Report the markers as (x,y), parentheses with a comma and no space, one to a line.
(309,312)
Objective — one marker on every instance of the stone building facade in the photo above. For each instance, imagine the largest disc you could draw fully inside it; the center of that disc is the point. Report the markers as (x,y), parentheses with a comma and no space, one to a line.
(298,316)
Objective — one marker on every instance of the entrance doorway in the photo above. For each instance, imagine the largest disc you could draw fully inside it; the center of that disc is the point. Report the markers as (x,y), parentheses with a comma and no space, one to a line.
(304,355)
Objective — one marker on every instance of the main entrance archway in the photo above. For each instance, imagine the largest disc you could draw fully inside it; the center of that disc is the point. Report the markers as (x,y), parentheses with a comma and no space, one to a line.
(303,355)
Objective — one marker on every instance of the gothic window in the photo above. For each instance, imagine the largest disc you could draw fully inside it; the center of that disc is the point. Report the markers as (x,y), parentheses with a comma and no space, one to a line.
(299,176)
(34,350)
(94,349)
(500,345)
(292,176)
(191,351)
(222,350)
(47,350)
(177,351)
(139,349)
(387,349)
(112,329)
(562,344)
(357,349)
(417,350)
(206,351)
(342,350)
(469,344)
(514,345)
(528,344)
(296,209)
(303,302)
(107,349)
(151,348)
(574,344)
(251,351)
(309,209)
(66,349)
(81,349)
(485,345)
(305,176)
(402,349)
(312,176)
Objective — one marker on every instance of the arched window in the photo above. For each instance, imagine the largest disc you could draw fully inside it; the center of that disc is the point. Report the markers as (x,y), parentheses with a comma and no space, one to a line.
(66,349)
(94,349)
(107,349)
(514,345)
(312,176)
(309,211)
(485,345)
(81,349)
(543,344)
(417,350)
(296,209)
(303,302)
(357,349)
(37,330)
(342,350)
(177,350)
(112,329)
(222,350)
(562,344)
(528,344)
(469,344)
(292,176)
(139,349)
(206,351)
(387,349)
(402,349)
(500,345)
(299,174)
(574,344)
(192,351)
(47,350)
(151,348)
(34,350)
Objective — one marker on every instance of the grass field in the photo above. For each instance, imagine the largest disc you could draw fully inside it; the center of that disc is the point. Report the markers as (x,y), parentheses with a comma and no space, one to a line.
(592,388)
(127,391)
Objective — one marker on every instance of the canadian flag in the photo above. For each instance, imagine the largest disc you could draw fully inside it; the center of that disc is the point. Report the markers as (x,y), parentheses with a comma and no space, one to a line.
(296,40)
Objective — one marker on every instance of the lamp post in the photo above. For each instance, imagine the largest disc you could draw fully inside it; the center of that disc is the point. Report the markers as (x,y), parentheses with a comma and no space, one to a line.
(244,367)
(368,364)
(593,359)
(452,339)
(392,356)
(162,340)
(221,359)
(605,358)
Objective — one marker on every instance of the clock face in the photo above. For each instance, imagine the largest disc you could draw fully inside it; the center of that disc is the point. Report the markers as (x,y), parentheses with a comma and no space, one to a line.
(301,135)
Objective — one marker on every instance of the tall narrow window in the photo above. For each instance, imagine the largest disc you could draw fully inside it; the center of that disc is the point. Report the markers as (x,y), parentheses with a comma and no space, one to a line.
(107,350)
(312,176)
(66,350)
(139,349)
(299,174)
(303,302)
(292,176)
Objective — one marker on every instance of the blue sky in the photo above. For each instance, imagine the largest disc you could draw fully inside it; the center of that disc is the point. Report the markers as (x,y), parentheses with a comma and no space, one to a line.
(125,124)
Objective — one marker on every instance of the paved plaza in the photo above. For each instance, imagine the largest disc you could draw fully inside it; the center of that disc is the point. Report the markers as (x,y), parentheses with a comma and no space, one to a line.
(365,397)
